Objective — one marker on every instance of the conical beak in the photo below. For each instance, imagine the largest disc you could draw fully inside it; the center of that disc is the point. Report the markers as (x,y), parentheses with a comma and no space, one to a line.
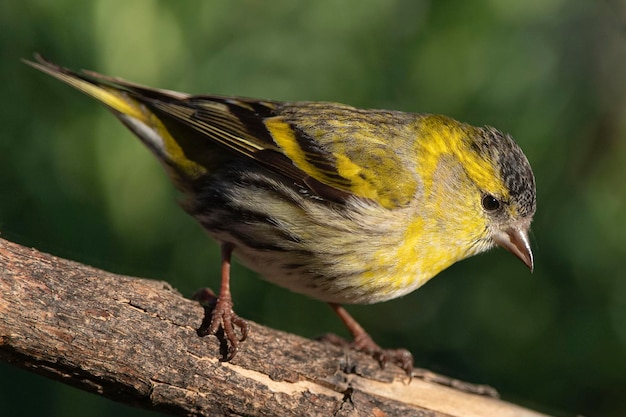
(515,240)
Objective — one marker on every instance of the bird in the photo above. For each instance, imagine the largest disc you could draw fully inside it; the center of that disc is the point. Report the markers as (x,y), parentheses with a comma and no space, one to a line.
(344,205)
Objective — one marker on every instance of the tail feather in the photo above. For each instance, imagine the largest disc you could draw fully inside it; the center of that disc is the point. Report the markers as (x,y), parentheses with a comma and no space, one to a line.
(114,97)
(185,160)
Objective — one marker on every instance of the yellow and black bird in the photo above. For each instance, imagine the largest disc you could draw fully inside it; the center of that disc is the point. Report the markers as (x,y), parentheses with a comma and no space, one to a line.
(341,204)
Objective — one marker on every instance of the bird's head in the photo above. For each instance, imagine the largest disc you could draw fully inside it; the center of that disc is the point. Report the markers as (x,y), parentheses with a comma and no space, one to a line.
(481,185)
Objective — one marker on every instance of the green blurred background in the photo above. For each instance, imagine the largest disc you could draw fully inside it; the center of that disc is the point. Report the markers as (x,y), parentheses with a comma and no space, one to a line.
(75,183)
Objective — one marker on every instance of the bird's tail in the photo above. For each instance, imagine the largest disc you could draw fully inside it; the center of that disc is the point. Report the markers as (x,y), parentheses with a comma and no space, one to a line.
(184,158)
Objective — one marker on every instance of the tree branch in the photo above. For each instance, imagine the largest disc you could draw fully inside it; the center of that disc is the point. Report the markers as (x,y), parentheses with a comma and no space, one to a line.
(134,341)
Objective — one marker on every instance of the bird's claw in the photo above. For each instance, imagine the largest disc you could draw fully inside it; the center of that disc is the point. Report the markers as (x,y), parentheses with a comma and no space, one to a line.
(365,344)
(221,320)
(399,357)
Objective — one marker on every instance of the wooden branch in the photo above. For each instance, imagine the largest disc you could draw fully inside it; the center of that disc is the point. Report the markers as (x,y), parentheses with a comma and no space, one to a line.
(134,341)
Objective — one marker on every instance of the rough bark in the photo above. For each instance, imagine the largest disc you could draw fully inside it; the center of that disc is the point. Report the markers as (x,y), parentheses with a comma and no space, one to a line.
(134,340)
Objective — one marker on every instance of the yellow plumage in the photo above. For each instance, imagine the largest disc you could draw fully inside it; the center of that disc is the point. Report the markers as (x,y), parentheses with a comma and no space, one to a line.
(338,203)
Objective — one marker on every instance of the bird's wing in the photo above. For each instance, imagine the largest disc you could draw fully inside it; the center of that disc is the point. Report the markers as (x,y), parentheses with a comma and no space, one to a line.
(335,151)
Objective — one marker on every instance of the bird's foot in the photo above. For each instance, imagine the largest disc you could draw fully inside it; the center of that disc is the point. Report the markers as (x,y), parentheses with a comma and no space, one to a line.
(221,320)
(364,343)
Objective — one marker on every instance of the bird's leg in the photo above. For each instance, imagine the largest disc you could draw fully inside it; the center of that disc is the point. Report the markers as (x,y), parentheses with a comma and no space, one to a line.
(362,342)
(221,320)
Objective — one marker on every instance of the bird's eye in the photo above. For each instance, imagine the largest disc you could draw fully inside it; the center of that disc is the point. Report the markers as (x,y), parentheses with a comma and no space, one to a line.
(490,203)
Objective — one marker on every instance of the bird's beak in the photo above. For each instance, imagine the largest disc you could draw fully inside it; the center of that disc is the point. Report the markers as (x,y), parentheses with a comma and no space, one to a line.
(515,240)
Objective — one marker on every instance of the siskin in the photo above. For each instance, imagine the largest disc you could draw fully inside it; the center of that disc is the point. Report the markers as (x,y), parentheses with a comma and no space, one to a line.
(341,204)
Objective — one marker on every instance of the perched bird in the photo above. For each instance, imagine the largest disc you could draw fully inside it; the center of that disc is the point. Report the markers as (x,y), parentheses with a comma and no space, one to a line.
(341,204)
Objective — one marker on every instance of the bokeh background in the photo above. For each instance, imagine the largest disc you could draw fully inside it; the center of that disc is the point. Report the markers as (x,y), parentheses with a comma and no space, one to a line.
(75,183)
